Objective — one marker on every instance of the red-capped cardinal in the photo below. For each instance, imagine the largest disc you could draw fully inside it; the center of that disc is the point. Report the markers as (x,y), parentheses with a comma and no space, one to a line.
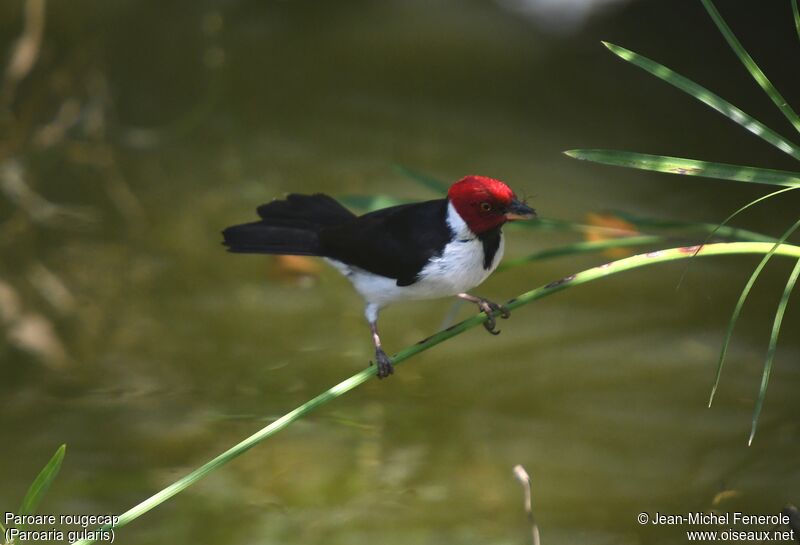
(425,250)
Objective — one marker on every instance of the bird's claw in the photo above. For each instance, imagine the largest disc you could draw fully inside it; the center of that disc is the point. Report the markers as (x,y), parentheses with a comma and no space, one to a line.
(489,308)
(384,364)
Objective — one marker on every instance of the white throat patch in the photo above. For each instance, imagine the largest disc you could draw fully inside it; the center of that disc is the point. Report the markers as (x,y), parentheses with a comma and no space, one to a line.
(457,224)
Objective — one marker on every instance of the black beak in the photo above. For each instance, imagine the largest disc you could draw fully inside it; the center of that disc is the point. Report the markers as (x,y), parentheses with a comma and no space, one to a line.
(519,211)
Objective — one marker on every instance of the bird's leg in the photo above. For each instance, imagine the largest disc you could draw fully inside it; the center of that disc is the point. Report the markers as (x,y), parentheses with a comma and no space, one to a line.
(382,361)
(488,308)
(384,364)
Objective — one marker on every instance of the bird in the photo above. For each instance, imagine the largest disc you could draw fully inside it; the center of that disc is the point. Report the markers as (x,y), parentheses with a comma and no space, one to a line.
(422,250)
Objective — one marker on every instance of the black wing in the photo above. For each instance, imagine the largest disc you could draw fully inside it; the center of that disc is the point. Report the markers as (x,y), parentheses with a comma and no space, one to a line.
(395,242)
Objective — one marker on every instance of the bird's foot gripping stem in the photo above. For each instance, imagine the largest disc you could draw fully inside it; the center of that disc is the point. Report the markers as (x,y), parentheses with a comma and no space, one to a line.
(383,363)
(489,308)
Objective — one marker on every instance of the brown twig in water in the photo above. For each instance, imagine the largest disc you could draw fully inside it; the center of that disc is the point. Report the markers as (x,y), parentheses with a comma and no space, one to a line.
(525,480)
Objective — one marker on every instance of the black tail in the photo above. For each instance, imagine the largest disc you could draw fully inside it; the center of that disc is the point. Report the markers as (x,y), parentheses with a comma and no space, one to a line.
(289,227)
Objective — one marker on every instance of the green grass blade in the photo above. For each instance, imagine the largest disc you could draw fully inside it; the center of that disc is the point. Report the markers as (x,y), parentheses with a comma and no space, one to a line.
(580,248)
(640,224)
(722,225)
(731,233)
(796,13)
(740,303)
(687,167)
(370,202)
(583,277)
(552,224)
(751,65)
(2,529)
(635,239)
(42,482)
(429,182)
(773,343)
(745,207)
(707,97)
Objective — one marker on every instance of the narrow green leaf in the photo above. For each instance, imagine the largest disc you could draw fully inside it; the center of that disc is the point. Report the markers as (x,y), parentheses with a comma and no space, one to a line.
(2,529)
(751,65)
(687,167)
(370,202)
(42,482)
(721,226)
(583,277)
(551,224)
(435,185)
(580,248)
(796,13)
(732,233)
(745,207)
(644,239)
(637,239)
(773,344)
(740,303)
(707,97)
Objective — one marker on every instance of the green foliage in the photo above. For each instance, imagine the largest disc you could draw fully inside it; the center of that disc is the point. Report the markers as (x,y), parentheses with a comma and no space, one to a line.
(751,66)
(428,182)
(39,486)
(722,227)
(688,167)
(369,203)
(581,248)
(732,233)
(707,97)
(722,171)
(754,202)
(42,483)
(735,317)
(773,344)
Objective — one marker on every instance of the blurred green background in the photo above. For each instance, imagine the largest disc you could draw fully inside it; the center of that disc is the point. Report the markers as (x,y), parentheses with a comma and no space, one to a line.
(143,128)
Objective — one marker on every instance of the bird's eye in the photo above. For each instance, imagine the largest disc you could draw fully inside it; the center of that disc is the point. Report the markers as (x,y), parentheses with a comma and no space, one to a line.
(485,206)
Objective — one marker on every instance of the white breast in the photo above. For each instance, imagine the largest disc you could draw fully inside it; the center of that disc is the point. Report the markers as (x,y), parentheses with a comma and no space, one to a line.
(458,269)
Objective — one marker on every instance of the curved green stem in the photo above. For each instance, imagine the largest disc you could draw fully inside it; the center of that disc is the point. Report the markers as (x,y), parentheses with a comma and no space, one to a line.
(740,303)
(773,345)
(589,275)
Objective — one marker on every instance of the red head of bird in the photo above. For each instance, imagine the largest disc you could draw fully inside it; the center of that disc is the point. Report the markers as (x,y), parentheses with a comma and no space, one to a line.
(485,203)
